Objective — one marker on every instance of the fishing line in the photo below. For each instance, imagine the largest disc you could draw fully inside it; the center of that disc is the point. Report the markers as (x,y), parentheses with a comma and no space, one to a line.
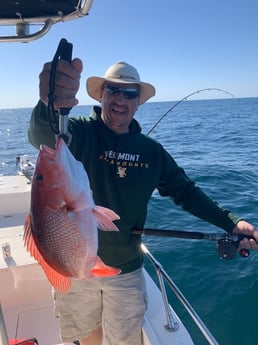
(226,246)
(185,98)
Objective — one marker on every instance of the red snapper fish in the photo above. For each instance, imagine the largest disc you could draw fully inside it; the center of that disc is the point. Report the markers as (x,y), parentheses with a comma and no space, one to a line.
(61,230)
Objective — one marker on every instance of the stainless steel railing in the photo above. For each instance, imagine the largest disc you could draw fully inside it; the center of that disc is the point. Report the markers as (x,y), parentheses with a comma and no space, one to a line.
(171,323)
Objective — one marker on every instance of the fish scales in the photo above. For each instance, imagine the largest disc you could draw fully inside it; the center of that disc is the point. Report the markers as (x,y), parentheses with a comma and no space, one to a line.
(61,230)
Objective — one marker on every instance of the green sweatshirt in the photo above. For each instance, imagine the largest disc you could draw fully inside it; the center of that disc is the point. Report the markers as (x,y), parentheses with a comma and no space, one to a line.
(124,170)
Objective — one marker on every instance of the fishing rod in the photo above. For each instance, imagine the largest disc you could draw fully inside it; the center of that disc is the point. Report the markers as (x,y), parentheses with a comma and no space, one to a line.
(185,98)
(227,244)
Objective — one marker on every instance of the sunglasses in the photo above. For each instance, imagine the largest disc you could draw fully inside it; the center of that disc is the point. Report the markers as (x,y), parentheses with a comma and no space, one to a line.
(128,92)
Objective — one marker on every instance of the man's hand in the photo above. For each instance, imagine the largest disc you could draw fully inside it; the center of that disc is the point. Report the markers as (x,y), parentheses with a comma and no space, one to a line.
(67,83)
(245,228)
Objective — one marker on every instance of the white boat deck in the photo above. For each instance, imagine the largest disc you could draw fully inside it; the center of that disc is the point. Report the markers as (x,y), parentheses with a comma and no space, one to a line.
(15,195)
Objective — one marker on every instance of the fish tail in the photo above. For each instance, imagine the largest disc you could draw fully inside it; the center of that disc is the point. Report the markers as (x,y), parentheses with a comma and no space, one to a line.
(105,218)
(57,280)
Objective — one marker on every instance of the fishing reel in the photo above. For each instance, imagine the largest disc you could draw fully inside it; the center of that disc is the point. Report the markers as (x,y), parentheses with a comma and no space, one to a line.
(228,247)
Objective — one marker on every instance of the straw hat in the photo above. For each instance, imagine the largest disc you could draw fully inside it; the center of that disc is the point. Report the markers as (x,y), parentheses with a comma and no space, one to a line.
(120,72)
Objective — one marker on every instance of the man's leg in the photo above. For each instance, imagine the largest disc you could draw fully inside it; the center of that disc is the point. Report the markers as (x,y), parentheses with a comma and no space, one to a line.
(80,312)
(95,338)
(124,305)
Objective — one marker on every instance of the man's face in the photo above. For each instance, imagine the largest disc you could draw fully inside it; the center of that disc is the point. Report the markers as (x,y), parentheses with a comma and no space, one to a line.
(119,104)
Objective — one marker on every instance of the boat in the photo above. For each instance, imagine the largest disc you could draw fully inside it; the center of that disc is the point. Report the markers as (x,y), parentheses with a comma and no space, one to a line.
(26,305)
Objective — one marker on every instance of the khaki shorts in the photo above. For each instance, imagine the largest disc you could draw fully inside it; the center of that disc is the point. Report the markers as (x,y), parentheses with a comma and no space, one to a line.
(117,303)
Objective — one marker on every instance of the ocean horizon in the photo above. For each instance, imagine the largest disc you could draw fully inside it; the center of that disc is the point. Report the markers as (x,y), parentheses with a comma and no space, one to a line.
(216,142)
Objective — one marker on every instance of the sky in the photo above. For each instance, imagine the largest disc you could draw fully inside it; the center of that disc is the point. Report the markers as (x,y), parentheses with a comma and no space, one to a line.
(179,46)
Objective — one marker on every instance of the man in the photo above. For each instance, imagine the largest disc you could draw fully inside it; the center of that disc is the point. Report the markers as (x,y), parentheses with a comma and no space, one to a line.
(124,167)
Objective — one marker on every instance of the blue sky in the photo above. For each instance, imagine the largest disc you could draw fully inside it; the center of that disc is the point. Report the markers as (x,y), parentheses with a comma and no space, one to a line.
(179,46)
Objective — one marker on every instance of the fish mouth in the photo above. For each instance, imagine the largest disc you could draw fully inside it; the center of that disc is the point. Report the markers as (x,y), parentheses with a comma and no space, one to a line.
(47,151)
(50,153)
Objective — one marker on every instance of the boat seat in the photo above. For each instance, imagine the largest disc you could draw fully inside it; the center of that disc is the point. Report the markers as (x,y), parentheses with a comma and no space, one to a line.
(22,15)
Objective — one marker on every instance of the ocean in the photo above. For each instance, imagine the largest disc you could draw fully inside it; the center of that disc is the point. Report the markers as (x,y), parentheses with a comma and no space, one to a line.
(216,142)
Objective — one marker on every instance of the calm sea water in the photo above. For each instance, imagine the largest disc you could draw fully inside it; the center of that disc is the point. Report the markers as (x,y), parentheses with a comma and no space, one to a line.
(216,141)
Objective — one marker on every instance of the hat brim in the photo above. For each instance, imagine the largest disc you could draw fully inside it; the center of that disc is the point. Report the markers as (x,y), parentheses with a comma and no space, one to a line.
(94,86)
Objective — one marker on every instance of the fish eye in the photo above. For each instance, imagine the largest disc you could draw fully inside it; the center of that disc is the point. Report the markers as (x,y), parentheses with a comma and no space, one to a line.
(39,178)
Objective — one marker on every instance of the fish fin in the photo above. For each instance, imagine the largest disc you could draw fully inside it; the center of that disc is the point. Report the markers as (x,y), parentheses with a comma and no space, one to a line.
(105,218)
(57,280)
(102,270)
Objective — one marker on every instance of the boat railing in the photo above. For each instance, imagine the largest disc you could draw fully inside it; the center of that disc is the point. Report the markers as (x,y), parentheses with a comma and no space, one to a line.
(172,325)
(3,332)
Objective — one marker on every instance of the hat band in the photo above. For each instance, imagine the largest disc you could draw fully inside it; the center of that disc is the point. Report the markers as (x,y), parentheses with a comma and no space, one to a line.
(122,77)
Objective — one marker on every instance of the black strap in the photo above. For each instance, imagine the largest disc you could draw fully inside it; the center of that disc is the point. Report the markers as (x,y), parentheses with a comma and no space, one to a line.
(64,52)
